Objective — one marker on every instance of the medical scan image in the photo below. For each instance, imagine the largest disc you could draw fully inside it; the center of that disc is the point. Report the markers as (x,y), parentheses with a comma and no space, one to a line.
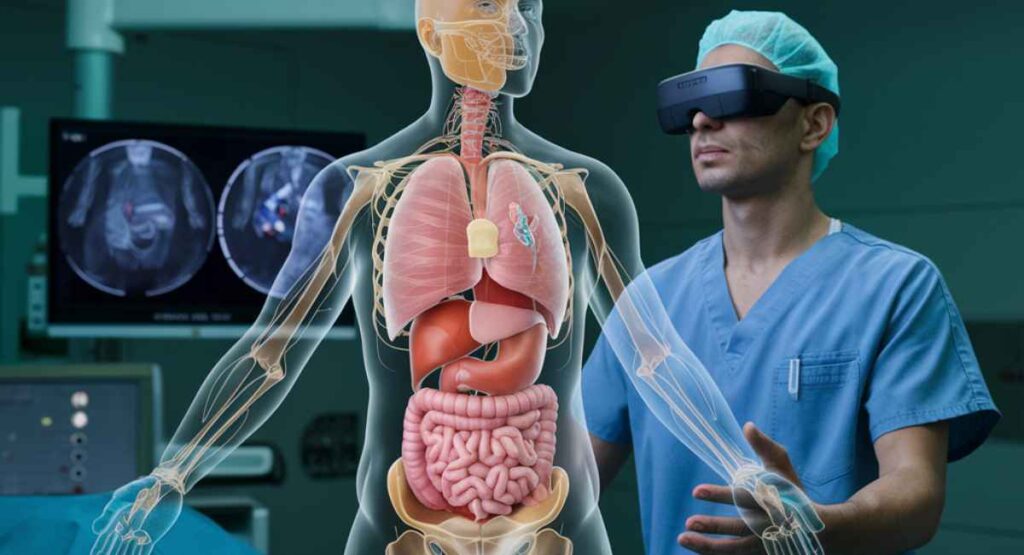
(136,218)
(259,209)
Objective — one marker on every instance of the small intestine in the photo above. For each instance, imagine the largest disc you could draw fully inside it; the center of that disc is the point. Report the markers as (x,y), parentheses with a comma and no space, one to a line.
(483,455)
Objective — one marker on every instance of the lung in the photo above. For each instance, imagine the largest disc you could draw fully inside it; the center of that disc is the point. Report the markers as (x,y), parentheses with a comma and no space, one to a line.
(426,257)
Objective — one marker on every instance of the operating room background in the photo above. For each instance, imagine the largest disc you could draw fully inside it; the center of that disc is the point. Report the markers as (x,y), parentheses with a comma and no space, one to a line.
(929,157)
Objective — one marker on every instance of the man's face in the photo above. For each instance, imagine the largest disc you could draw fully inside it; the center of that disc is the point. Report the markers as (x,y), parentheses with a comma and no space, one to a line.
(746,154)
(490,45)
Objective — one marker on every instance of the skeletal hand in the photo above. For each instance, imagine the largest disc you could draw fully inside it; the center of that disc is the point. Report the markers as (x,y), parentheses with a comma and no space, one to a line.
(778,512)
(137,516)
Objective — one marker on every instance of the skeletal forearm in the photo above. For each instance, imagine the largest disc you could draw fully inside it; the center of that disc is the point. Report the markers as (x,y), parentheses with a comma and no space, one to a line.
(685,399)
(250,382)
(673,383)
(233,402)
(671,380)
(200,445)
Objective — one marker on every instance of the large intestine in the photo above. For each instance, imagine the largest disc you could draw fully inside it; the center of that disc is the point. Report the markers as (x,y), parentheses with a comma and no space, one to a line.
(480,456)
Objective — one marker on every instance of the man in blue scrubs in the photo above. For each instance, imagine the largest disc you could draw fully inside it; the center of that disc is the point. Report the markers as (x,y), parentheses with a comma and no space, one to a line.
(844,351)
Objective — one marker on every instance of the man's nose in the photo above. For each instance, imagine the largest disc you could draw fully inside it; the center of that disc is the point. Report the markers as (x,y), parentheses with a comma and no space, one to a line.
(704,121)
(516,24)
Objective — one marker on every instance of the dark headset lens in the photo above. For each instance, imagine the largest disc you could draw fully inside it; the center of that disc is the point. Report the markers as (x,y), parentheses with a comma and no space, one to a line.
(752,104)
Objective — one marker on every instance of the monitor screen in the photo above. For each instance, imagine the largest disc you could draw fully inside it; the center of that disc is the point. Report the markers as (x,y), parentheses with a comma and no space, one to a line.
(75,429)
(160,229)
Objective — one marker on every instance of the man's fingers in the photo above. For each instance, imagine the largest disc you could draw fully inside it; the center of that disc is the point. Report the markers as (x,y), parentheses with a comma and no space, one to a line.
(724,495)
(772,454)
(715,546)
(713,493)
(730,526)
(808,518)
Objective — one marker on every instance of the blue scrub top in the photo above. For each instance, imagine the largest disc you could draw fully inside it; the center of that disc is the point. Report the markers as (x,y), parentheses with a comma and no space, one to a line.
(880,343)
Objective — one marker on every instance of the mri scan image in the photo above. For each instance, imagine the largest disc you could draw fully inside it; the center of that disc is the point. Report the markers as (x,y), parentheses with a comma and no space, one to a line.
(259,208)
(136,218)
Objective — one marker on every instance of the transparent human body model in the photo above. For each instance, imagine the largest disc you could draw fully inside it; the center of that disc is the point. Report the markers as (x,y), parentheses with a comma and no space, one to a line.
(471,251)
(136,218)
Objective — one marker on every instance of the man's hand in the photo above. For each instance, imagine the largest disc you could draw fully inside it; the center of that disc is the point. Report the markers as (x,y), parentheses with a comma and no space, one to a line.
(776,460)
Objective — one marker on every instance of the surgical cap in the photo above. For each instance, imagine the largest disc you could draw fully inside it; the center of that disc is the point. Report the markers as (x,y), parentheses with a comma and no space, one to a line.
(787,45)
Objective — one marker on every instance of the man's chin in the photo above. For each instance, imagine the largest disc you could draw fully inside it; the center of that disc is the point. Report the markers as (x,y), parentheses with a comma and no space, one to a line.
(519,82)
(517,88)
(716,181)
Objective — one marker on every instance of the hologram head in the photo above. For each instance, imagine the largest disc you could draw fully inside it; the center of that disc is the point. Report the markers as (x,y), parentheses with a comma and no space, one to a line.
(489,45)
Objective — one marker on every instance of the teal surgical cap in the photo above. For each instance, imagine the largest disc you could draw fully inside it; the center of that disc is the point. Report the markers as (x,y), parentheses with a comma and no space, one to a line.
(787,45)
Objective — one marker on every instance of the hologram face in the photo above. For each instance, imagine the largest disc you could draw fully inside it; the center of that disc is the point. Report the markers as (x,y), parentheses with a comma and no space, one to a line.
(490,45)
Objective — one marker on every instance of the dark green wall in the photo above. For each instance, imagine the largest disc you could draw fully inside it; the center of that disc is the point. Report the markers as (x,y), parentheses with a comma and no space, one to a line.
(929,158)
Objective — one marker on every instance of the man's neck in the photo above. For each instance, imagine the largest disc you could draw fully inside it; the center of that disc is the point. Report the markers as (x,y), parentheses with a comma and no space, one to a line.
(764,231)
(442,94)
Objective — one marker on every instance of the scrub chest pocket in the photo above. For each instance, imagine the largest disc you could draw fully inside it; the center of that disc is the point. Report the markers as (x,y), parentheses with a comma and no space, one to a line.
(815,410)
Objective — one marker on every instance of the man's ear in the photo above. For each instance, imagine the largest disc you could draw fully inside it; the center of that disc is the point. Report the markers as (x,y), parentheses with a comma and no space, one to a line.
(429,38)
(818,120)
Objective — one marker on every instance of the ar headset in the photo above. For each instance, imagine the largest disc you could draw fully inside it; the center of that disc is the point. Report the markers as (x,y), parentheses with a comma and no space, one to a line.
(732,91)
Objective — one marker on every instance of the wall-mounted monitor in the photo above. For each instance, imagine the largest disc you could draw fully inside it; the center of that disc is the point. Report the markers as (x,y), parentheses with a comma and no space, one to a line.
(161,230)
